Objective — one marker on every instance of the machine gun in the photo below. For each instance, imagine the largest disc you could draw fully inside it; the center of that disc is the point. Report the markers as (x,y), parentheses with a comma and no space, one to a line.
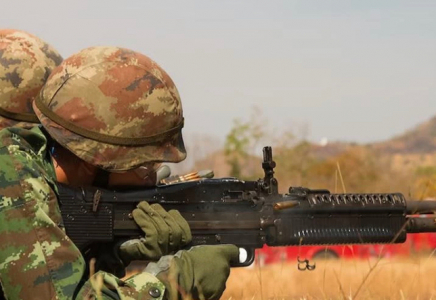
(248,214)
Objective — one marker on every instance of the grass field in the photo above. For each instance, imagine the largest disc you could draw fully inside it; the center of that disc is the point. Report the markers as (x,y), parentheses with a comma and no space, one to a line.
(350,279)
(413,278)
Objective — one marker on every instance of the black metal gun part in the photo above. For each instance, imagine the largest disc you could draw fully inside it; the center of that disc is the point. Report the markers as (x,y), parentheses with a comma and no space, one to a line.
(248,214)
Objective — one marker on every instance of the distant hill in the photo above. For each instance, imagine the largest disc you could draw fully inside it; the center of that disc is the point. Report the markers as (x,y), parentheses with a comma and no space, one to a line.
(331,149)
(416,147)
(419,140)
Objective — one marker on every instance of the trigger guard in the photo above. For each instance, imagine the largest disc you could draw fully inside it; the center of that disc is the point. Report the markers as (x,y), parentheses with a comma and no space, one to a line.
(247,262)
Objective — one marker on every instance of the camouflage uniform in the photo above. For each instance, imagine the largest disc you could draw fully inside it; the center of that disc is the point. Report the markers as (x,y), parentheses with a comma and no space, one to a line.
(25,64)
(38,260)
(130,114)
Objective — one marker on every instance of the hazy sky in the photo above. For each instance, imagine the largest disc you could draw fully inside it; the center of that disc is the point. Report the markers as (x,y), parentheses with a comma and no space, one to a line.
(351,70)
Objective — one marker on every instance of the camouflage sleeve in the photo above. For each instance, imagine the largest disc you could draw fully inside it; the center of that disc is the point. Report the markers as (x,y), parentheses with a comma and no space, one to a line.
(104,286)
(37,259)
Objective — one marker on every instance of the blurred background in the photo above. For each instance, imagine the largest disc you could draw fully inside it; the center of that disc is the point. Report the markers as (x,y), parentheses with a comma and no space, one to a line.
(359,71)
(344,91)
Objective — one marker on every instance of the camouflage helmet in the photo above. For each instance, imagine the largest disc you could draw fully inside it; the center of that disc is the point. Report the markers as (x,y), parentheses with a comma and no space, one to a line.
(25,64)
(114,108)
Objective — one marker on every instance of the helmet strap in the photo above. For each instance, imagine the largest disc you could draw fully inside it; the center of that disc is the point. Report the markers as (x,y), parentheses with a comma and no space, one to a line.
(101,178)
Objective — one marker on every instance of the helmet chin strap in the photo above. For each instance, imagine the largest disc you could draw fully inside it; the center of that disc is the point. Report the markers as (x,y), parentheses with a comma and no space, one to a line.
(101,178)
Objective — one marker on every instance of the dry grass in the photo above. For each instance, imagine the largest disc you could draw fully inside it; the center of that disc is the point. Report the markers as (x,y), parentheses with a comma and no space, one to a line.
(350,279)
(337,279)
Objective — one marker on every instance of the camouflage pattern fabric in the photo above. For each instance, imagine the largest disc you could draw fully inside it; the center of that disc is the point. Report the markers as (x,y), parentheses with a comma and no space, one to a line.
(37,259)
(25,64)
(110,92)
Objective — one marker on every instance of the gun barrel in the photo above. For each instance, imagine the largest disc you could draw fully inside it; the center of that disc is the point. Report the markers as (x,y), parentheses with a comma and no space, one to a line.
(418,225)
(421,207)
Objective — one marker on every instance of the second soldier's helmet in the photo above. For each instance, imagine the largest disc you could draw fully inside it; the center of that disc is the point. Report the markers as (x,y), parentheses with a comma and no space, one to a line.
(25,64)
(114,108)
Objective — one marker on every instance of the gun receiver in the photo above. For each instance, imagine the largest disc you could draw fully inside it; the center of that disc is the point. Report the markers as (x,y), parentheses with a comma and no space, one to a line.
(248,214)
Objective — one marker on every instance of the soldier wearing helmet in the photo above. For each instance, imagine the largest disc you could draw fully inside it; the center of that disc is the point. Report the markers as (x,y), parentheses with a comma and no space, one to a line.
(25,64)
(110,116)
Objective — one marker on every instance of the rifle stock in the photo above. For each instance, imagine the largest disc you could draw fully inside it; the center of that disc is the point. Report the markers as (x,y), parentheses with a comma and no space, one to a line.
(248,214)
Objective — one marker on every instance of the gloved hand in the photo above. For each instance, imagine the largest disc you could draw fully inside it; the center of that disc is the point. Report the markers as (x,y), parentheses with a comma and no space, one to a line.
(201,272)
(165,233)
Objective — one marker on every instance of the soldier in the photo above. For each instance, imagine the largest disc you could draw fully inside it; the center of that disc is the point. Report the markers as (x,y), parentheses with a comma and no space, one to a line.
(109,117)
(25,64)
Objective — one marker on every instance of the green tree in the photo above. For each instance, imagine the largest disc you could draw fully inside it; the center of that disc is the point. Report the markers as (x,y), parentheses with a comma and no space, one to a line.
(241,142)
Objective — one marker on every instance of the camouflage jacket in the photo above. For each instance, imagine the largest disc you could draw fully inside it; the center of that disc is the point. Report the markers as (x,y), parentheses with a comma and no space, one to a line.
(37,259)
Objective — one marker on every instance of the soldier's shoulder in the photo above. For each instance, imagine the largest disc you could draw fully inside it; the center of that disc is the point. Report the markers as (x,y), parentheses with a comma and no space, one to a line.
(22,164)
(23,152)
(26,139)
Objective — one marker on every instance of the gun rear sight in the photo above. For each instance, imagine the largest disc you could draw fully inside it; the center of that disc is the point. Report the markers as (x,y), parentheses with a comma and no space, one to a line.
(269,183)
